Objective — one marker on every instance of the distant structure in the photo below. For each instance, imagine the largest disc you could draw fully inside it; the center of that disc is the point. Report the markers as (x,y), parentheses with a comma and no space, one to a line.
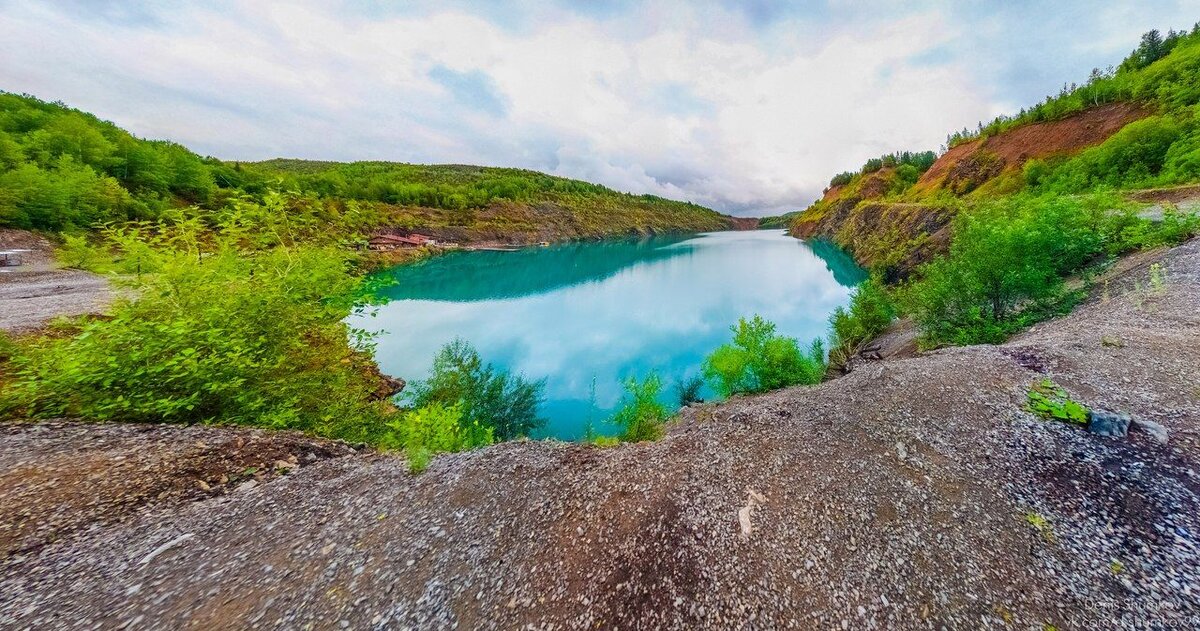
(386,242)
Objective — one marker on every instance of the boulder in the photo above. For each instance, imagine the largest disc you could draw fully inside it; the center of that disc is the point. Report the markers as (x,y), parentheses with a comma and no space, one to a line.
(1105,423)
(1156,430)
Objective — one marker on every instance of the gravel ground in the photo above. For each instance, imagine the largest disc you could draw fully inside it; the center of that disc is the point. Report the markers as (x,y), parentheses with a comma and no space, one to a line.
(37,291)
(911,493)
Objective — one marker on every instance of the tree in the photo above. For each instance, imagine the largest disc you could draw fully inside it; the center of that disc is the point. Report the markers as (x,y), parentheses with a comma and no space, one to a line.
(493,398)
(759,360)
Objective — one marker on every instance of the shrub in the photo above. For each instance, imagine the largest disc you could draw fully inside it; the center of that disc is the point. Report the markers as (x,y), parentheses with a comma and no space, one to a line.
(1008,259)
(688,390)
(759,360)
(871,312)
(224,338)
(432,429)
(493,398)
(641,415)
(78,254)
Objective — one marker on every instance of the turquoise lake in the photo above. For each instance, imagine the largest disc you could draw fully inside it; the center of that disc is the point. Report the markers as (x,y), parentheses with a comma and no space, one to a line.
(596,313)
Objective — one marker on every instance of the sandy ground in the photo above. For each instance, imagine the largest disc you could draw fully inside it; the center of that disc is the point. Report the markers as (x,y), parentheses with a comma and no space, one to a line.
(38,291)
(911,493)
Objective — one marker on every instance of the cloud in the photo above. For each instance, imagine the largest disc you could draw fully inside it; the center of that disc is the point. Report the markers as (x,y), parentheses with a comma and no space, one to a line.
(747,107)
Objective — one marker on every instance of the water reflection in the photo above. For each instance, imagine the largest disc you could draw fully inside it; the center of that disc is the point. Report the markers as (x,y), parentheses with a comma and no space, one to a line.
(471,276)
(606,311)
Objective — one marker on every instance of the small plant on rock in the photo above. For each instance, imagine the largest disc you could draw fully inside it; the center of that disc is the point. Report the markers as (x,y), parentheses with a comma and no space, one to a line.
(1041,525)
(1049,401)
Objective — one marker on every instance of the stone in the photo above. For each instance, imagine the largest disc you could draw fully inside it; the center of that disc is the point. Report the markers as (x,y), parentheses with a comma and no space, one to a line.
(1156,430)
(1108,340)
(1105,423)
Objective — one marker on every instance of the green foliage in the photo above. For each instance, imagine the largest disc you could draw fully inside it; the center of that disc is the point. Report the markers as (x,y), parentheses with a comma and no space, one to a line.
(1008,259)
(1155,151)
(641,414)
(77,253)
(1049,401)
(432,429)
(61,169)
(506,404)
(219,332)
(1161,70)
(778,221)
(687,390)
(908,164)
(759,360)
(491,199)
(604,442)
(871,312)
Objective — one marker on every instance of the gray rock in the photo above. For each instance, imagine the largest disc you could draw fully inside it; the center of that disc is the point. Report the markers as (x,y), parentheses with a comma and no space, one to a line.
(1156,430)
(1105,423)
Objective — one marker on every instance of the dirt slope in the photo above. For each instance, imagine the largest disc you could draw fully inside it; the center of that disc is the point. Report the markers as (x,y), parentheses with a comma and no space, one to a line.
(970,164)
(899,236)
(909,494)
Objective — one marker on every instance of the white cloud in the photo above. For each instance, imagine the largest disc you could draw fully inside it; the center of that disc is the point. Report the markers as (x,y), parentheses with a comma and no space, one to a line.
(681,100)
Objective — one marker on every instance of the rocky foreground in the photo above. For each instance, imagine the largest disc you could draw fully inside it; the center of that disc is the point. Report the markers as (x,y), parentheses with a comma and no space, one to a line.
(913,493)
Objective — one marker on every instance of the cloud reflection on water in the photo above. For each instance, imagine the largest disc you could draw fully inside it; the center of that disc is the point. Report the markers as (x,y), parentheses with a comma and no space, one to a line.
(609,310)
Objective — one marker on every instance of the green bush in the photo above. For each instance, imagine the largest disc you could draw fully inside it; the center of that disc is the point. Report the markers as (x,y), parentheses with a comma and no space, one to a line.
(1008,259)
(759,360)
(432,429)
(1003,257)
(254,341)
(641,415)
(212,332)
(507,404)
(871,312)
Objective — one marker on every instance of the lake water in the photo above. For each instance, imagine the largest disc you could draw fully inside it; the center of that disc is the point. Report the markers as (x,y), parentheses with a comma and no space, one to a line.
(596,313)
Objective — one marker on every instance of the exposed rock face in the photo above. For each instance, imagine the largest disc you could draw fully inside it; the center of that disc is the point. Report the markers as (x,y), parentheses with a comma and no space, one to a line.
(899,236)
(892,237)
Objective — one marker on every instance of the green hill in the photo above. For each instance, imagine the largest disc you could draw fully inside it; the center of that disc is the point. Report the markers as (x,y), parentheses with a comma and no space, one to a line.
(63,169)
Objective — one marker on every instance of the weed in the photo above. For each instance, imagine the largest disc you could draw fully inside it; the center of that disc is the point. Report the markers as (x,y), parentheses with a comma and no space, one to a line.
(1041,525)
(1049,401)
(604,441)
(1158,279)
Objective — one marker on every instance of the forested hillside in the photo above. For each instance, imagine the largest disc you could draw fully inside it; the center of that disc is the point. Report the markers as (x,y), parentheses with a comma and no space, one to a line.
(1130,127)
(62,169)
(984,235)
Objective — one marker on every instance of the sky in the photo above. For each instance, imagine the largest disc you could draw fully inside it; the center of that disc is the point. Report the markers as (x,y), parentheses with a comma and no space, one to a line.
(747,107)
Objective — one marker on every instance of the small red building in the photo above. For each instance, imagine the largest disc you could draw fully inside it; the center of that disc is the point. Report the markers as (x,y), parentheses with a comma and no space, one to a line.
(385,242)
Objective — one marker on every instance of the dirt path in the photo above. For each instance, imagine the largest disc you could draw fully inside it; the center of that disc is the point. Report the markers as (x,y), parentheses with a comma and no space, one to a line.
(913,493)
(38,291)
